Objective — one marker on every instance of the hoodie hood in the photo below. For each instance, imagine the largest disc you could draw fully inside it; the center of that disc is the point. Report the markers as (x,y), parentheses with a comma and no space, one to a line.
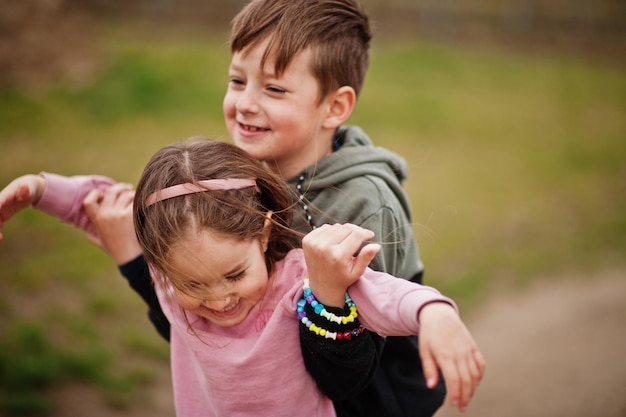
(355,157)
(361,184)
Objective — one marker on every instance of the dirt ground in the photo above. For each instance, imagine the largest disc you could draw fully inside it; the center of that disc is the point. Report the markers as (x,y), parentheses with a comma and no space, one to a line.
(553,349)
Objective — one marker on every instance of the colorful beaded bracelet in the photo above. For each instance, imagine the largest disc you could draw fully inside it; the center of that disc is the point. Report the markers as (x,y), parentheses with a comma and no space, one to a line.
(321,310)
(347,335)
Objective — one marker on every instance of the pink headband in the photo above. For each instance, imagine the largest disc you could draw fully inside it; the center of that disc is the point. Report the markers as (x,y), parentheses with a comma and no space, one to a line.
(201,186)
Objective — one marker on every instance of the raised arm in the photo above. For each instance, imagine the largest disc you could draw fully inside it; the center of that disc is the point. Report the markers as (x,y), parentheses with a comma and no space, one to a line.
(77,200)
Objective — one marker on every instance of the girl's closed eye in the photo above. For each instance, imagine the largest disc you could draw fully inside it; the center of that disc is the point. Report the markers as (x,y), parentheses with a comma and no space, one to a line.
(236,277)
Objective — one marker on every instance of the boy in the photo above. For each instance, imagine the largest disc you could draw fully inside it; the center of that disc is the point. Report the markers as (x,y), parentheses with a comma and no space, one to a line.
(296,71)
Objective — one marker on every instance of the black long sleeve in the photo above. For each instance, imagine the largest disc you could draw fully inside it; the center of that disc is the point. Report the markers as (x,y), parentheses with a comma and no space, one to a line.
(341,368)
(137,274)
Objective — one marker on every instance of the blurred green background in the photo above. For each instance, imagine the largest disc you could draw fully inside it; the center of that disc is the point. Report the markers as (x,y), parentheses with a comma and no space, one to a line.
(511,116)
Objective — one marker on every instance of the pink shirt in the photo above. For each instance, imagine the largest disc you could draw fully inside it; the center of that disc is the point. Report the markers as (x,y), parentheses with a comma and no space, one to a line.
(63,197)
(255,368)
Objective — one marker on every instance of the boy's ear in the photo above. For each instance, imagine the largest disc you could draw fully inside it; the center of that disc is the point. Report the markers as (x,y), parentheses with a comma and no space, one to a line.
(341,103)
(267,230)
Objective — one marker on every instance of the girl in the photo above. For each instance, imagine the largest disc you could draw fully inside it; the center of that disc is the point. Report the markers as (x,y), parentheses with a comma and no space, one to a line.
(213,225)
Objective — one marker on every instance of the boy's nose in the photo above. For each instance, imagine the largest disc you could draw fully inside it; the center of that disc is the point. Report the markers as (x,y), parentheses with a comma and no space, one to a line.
(247,102)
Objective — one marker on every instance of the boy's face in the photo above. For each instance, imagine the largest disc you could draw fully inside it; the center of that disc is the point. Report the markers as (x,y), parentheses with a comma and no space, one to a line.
(278,120)
(224,277)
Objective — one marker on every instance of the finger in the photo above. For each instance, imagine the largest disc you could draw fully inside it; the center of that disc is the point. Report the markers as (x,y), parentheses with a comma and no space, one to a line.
(453,384)
(467,386)
(429,367)
(365,257)
(327,239)
(127,198)
(353,238)
(113,192)
(91,203)
(479,365)
(23,193)
(354,232)
(94,239)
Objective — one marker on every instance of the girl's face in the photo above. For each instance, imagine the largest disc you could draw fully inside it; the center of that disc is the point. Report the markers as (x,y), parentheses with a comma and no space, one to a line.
(277,120)
(223,277)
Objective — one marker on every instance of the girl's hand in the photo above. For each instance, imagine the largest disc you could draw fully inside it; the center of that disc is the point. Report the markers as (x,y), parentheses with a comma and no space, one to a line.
(446,344)
(111,214)
(21,193)
(335,259)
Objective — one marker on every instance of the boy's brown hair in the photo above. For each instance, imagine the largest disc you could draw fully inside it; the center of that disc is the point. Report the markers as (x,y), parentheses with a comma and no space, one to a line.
(337,31)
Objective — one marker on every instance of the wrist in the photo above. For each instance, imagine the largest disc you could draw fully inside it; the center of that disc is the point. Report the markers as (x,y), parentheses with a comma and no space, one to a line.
(335,323)
(435,310)
(125,256)
(329,296)
(40,185)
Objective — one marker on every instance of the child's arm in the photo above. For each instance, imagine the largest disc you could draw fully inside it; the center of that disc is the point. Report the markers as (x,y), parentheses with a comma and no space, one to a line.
(21,193)
(341,368)
(391,306)
(445,342)
(63,198)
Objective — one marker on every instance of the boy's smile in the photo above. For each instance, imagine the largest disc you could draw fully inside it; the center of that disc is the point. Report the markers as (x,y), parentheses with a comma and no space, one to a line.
(277,119)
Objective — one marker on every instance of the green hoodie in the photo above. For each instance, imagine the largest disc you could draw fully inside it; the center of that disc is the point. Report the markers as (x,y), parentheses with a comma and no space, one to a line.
(362,184)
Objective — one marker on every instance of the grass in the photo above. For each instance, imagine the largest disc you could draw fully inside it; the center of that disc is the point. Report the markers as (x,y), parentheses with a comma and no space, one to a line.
(516,170)
(516,163)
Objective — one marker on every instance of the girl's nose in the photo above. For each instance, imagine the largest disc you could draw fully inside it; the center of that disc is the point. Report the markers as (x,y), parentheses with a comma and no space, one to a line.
(218,304)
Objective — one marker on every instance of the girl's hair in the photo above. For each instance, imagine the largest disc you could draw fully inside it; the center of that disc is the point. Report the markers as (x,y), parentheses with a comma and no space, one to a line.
(337,31)
(240,213)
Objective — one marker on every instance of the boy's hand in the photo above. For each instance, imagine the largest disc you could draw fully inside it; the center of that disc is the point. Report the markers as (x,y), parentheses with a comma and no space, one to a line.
(111,214)
(334,260)
(446,344)
(21,193)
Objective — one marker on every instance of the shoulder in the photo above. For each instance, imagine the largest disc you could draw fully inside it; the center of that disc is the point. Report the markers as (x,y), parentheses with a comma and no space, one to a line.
(293,265)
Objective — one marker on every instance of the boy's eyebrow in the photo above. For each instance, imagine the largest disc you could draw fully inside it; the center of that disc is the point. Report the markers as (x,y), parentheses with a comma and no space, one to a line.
(239,67)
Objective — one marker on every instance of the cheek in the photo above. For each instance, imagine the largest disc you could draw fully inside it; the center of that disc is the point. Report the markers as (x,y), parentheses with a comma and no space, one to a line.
(254,289)
(229,114)
(228,107)
(187,302)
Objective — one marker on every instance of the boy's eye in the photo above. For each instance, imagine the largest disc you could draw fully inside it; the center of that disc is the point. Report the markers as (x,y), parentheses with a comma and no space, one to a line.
(235,81)
(276,90)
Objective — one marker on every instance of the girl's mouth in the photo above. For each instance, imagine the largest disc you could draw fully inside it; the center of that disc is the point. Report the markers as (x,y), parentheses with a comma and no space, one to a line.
(228,311)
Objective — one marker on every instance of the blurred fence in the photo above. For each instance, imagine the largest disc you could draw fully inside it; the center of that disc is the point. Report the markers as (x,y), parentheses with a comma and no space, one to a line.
(43,35)
(437,18)
(522,18)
